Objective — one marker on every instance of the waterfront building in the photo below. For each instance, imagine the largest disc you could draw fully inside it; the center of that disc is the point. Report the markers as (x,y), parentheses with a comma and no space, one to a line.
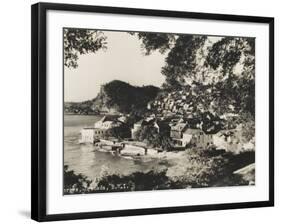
(101,129)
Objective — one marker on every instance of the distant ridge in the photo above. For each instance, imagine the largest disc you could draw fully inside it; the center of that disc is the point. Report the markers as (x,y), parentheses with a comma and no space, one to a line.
(115,97)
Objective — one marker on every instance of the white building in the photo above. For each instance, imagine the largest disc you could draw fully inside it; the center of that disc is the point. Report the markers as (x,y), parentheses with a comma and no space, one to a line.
(101,129)
(108,122)
(89,135)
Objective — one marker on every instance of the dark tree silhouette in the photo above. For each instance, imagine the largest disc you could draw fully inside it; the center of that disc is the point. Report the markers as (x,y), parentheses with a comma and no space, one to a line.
(223,56)
(75,183)
(81,41)
(153,138)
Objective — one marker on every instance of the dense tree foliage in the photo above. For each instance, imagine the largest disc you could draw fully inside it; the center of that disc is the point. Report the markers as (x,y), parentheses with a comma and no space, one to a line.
(220,70)
(81,41)
(181,60)
(239,89)
(121,132)
(153,137)
(137,181)
(227,64)
(204,168)
(155,41)
(75,183)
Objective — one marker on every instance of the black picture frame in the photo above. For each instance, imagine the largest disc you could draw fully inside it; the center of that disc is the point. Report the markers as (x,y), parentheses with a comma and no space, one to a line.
(38,116)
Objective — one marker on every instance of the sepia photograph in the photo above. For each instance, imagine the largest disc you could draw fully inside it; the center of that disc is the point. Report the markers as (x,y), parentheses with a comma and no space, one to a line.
(150,111)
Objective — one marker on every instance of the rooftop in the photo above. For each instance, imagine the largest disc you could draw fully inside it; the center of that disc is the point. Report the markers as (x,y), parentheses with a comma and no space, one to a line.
(179,126)
(91,128)
(193,131)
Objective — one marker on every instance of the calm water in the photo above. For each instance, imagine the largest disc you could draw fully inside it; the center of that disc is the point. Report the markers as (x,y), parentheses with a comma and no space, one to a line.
(82,159)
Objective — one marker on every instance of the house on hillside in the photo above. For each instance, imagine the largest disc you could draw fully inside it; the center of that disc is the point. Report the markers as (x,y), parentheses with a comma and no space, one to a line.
(176,132)
(182,135)
(108,122)
(178,129)
(196,137)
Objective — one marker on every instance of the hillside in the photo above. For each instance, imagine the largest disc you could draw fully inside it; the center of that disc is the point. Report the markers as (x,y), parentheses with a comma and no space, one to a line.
(115,96)
(118,96)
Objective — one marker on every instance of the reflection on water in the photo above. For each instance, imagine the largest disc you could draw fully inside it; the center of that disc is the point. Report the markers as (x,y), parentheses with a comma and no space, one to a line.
(82,159)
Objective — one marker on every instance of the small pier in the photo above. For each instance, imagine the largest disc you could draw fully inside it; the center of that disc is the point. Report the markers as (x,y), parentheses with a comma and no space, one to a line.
(124,147)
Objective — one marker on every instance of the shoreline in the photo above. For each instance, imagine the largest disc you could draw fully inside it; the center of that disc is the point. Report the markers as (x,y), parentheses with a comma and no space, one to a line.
(151,154)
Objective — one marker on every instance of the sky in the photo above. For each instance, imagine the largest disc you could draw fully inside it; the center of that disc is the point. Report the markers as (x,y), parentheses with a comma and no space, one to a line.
(123,60)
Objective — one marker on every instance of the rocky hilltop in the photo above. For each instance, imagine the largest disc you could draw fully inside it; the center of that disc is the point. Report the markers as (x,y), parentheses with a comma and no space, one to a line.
(115,97)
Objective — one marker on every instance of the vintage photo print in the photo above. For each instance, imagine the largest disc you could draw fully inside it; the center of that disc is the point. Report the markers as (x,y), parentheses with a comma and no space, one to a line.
(153,111)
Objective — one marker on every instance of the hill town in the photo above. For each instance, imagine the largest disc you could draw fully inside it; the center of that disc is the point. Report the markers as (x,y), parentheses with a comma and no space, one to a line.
(167,122)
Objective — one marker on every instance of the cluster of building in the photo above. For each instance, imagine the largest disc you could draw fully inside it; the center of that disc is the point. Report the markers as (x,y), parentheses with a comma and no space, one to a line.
(102,128)
(182,135)
(179,102)
(180,132)
(231,139)
(173,103)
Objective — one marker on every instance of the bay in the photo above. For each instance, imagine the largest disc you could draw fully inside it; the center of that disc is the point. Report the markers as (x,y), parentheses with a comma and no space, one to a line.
(82,158)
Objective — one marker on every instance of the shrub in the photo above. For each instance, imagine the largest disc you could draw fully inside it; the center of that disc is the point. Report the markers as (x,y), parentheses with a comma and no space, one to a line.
(75,183)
